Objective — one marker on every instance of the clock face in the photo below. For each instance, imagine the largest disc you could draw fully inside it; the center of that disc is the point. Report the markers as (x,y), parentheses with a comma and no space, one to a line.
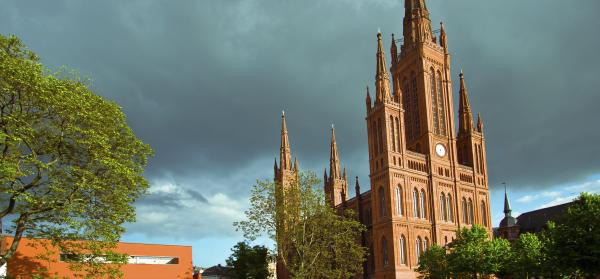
(440,150)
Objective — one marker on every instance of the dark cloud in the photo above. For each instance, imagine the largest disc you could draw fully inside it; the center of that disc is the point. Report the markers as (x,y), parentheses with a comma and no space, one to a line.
(204,81)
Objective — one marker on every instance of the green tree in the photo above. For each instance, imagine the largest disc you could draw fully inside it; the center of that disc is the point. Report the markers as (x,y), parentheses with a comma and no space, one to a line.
(313,240)
(433,263)
(248,262)
(472,254)
(527,257)
(574,241)
(70,167)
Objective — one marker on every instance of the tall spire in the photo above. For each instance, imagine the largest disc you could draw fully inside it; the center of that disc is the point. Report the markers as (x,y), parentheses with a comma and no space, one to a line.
(382,79)
(334,159)
(394,51)
(368,100)
(285,154)
(479,123)
(465,121)
(417,26)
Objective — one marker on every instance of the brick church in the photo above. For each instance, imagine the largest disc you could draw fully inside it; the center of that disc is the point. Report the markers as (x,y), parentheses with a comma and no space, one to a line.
(426,182)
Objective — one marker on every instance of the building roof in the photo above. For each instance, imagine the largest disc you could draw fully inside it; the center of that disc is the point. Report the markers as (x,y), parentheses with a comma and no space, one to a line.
(535,221)
(508,221)
(216,270)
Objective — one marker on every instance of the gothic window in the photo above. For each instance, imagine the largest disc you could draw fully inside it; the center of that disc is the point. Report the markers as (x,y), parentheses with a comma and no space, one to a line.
(374,137)
(425,244)
(450,208)
(384,250)
(416,203)
(441,105)
(434,102)
(379,135)
(416,119)
(443,211)
(393,129)
(483,214)
(402,249)
(470,211)
(422,203)
(399,203)
(381,202)
(397,134)
(464,211)
(418,248)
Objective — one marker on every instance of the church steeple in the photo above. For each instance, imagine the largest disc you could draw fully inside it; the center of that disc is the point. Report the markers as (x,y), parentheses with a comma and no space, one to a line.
(334,159)
(382,78)
(443,38)
(285,153)
(417,26)
(507,210)
(465,121)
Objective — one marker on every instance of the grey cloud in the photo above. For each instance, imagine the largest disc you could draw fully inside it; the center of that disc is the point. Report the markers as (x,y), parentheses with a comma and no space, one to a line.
(204,81)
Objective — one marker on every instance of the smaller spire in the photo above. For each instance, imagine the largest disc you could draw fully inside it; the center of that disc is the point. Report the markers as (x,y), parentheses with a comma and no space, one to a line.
(296,164)
(382,79)
(357,187)
(443,38)
(394,51)
(334,160)
(368,100)
(325,176)
(344,175)
(285,154)
(465,123)
(479,123)
(507,210)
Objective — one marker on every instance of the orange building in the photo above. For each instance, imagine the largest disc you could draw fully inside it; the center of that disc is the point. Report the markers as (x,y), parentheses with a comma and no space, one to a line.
(146,261)
(428,174)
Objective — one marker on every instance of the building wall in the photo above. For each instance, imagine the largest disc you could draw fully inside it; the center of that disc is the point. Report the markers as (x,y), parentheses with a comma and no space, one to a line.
(26,262)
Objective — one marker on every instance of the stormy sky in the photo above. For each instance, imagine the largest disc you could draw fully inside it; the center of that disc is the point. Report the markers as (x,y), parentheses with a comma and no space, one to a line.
(204,83)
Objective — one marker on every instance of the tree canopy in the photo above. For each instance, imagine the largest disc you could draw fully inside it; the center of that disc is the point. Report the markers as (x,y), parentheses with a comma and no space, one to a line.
(313,239)
(70,166)
(249,262)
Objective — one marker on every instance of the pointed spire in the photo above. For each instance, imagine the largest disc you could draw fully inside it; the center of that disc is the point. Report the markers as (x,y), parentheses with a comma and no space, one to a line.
(285,154)
(334,160)
(275,167)
(465,122)
(382,79)
(368,100)
(479,123)
(325,177)
(417,26)
(357,188)
(443,38)
(394,51)
(295,164)
(507,210)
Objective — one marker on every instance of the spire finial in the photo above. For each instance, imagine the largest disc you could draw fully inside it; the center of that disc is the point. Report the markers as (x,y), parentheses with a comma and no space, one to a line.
(382,79)
(285,154)
(334,160)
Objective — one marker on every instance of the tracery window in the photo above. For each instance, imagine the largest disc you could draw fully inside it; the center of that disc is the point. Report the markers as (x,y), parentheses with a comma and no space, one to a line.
(484,214)
(464,211)
(470,211)
(416,213)
(399,202)
(422,199)
(441,104)
(384,250)
(381,202)
(443,211)
(418,248)
(434,102)
(450,208)
(402,249)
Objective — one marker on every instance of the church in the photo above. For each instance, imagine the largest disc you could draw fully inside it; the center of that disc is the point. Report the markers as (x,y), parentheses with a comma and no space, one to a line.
(426,180)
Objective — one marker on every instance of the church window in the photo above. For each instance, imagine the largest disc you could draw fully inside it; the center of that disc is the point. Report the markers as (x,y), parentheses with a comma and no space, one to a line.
(418,248)
(402,249)
(450,208)
(384,250)
(470,211)
(397,134)
(483,214)
(374,137)
(443,214)
(434,102)
(399,203)
(381,202)
(416,119)
(380,139)
(441,105)
(425,244)
(422,203)
(416,203)
(465,210)
(393,133)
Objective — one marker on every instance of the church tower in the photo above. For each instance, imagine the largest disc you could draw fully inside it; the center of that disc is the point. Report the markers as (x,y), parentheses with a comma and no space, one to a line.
(426,181)
(336,184)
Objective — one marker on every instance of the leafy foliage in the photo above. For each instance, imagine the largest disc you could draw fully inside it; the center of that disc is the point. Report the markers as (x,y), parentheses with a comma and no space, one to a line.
(433,263)
(70,167)
(312,239)
(249,262)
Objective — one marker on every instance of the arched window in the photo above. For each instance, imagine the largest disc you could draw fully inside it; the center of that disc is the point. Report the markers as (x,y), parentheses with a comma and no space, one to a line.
(450,208)
(397,134)
(425,244)
(423,211)
(465,210)
(399,203)
(434,102)
(384,251)
(416,212)
(381,202)
(393,129)
(470,211)
(484,214)
(418,248)
(441,105)
(416,119)
(443,211)
(402,249)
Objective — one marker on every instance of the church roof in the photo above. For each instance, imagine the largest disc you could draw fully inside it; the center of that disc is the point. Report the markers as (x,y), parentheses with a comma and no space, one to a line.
(535,221)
